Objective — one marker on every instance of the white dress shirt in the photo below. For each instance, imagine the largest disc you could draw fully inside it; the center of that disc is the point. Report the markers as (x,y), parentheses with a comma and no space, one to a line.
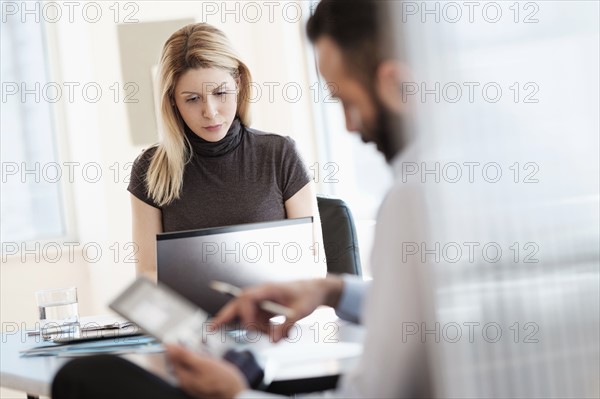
(388,367)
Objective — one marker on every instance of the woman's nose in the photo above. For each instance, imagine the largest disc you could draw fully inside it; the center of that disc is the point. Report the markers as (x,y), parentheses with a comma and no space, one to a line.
(209,110)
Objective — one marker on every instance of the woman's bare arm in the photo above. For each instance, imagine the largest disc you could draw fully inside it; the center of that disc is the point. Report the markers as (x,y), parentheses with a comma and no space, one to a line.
(146,224)
(303,204)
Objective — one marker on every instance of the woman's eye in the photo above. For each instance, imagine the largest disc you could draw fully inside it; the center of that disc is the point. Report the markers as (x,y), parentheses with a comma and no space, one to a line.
(191,99)
(220,93)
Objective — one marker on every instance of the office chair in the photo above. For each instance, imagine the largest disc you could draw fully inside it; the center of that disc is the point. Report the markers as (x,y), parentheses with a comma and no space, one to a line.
(339,236)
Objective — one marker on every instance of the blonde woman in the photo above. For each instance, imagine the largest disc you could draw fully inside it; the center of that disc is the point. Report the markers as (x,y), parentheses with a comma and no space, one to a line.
(211,169)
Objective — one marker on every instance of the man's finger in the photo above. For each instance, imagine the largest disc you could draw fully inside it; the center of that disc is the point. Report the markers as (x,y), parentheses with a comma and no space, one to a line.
(227,314)
(247,311)
(247,307)
(283,330)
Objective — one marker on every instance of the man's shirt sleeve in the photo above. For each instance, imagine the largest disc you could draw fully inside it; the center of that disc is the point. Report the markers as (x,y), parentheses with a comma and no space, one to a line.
(351,302)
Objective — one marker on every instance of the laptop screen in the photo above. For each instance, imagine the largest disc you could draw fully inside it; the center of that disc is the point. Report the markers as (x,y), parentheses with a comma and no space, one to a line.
(242,255)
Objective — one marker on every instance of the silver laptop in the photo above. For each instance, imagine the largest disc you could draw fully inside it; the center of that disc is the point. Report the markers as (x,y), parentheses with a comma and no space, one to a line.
(242,255)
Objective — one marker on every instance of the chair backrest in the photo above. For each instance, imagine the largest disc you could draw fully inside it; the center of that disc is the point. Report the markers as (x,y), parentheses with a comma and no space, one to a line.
(339,236)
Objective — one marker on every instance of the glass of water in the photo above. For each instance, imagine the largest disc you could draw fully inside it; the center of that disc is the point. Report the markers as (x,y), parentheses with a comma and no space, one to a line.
(59,312)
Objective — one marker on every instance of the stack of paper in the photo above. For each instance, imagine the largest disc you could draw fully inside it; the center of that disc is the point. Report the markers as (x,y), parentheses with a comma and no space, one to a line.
(136,344)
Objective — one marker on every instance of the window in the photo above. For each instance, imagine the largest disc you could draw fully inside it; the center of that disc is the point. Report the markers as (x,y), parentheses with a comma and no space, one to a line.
(348,169)
(31,195)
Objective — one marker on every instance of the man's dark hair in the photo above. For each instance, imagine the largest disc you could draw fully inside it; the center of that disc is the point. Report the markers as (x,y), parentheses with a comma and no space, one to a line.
(362,29)
(367,36)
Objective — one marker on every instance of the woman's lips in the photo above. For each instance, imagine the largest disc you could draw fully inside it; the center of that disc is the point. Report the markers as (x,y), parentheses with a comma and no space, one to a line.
(213,128)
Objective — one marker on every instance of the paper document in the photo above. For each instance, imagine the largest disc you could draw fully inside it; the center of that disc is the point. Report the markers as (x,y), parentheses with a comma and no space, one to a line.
(117,345)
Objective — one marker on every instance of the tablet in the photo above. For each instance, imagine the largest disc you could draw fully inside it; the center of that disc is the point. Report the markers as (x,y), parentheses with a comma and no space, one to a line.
(169,317)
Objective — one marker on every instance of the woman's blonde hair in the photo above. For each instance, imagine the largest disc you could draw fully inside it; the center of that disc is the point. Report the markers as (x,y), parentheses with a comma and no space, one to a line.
(193,46)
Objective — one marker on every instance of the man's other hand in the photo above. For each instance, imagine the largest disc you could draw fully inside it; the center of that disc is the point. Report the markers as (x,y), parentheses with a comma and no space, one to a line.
(205,377)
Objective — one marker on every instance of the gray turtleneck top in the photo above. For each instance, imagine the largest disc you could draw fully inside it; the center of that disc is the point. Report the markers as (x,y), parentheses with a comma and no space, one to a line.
(244,178)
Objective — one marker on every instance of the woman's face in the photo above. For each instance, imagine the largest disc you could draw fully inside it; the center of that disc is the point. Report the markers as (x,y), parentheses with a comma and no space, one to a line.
(207,101)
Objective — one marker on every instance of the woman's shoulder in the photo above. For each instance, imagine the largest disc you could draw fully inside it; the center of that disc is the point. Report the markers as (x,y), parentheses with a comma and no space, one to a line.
(270,141)
(145,157)
(141,164)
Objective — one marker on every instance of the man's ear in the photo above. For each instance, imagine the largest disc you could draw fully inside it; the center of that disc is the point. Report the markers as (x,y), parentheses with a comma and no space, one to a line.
(388,85)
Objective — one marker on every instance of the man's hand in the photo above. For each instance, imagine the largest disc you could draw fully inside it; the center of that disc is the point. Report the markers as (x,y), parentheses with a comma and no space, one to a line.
(204,377)
(303,297)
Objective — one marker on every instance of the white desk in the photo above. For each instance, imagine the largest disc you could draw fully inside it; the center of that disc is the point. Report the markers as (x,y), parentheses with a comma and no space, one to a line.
(318,332)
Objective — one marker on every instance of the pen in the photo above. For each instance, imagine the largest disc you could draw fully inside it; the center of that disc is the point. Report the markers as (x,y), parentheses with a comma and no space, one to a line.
(47,331)
(269,306)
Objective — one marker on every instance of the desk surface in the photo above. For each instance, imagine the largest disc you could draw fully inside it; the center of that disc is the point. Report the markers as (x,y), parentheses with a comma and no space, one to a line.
(328,350)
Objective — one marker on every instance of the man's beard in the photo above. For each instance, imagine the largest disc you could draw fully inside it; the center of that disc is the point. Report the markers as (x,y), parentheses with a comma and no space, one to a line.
(388,134)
